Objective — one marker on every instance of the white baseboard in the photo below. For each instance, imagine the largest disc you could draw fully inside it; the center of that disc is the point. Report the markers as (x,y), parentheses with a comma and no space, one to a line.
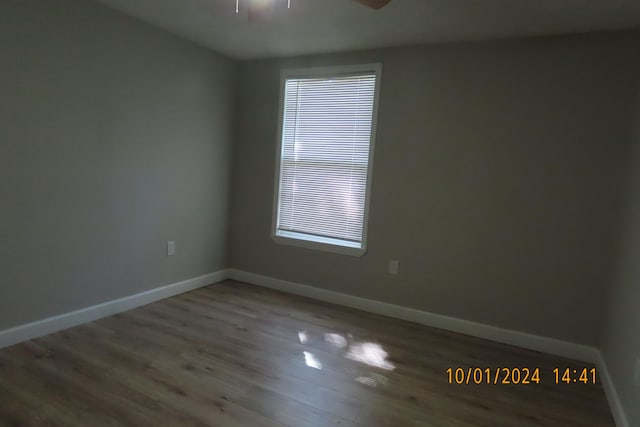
(506,336)
(493,333)
(67,320)
(615,405)
(521,339)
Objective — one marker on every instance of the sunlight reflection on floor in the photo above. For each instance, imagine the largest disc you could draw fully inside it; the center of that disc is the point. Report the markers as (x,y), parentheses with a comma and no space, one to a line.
(336,340)
(311,360)
(371,354)
(368,353)
(373,380)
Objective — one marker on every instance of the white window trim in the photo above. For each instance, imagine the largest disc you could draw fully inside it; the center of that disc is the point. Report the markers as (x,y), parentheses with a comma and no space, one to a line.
(317,242)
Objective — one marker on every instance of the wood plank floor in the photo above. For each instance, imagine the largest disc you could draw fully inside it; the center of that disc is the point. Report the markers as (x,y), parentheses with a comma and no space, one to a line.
(238,355)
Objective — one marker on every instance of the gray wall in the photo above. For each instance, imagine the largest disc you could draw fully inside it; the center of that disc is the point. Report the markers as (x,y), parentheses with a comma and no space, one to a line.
(621,330)
(497,181)
(114,138)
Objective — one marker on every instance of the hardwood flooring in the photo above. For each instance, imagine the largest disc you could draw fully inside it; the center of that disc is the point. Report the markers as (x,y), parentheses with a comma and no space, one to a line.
(238,355)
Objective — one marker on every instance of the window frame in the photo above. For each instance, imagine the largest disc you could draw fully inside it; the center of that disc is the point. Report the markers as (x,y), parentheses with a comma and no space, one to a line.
(316,242)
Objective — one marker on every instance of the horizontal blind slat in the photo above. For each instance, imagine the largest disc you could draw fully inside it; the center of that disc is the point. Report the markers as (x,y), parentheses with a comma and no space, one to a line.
(326,133)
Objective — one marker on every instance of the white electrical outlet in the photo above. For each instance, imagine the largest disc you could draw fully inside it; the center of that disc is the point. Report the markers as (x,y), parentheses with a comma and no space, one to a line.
(394,266)
(171,248)
(637,372)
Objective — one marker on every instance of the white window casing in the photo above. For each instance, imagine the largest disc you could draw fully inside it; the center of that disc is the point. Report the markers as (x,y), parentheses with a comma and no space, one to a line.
(328,118)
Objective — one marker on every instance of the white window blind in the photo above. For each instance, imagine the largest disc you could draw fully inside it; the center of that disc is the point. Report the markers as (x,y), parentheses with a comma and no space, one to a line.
(324,164)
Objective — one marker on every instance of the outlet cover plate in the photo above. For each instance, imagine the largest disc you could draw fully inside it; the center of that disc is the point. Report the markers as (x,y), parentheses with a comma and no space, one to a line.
(394,266)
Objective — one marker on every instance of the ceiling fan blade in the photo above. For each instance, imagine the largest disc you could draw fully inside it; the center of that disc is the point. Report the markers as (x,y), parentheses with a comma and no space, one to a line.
(374,4)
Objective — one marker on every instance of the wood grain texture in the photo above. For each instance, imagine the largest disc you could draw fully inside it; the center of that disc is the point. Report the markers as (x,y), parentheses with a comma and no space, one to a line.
(238,355)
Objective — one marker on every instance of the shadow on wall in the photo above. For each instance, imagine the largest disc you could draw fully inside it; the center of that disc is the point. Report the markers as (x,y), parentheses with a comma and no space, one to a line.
(619,336)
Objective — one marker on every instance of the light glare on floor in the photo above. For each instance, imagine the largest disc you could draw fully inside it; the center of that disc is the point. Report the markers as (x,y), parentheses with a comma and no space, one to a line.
(312,361)
(371,354)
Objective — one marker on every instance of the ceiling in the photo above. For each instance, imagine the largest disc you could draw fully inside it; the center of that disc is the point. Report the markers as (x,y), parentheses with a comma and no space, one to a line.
(320,26)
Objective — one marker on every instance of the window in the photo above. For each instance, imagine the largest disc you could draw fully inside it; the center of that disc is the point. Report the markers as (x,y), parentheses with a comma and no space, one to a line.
(328,120)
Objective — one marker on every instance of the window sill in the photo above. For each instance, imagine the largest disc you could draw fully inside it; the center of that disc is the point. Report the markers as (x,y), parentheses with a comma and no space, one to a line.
(318,243)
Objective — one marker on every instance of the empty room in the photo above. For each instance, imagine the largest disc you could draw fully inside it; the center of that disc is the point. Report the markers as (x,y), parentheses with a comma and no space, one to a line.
(355,213)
